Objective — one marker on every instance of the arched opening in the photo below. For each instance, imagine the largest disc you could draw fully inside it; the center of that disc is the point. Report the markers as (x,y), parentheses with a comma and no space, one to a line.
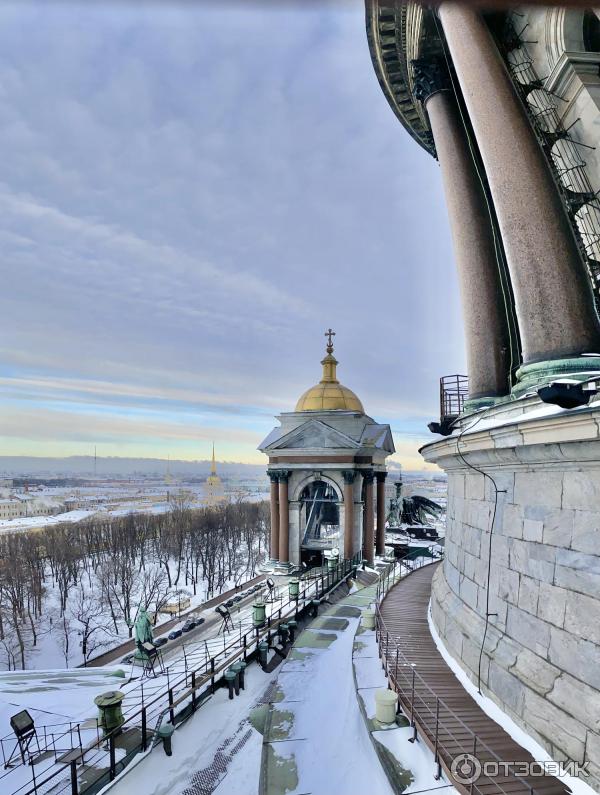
(319,516)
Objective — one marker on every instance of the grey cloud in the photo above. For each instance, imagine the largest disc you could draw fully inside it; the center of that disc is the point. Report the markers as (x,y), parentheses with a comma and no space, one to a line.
(190,195)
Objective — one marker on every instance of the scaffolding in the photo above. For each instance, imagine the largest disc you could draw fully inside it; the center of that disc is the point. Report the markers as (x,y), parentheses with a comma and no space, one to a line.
(562,150)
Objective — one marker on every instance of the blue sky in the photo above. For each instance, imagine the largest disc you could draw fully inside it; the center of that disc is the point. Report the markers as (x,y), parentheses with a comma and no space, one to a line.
(190,194)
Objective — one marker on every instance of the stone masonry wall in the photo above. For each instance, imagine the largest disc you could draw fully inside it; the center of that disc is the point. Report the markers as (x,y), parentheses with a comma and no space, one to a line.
(541,662)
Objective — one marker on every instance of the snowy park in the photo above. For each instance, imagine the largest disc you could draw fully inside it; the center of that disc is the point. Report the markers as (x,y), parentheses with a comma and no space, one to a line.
(69,592)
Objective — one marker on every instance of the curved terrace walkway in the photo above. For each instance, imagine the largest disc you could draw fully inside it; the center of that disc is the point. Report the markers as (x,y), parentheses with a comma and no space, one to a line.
(439,699)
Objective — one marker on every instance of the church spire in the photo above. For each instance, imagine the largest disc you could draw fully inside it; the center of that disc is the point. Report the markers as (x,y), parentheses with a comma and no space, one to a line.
(329,362)
(213,466)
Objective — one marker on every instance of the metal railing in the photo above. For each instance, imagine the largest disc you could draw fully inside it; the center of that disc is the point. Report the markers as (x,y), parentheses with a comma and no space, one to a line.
(429,716)
(454,390)
(178,700)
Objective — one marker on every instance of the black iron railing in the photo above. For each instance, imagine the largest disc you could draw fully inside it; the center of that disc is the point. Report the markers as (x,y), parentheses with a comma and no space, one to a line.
(454,390)
(178,697)
(430,717)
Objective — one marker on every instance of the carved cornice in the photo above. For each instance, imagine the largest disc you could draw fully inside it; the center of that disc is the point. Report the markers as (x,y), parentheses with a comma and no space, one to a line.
(430,77)
(394,33)
(368,475)
(349,476)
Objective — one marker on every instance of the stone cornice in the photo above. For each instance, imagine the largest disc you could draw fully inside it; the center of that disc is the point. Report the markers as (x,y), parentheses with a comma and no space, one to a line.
(568,66)
(522,442)
(392,30)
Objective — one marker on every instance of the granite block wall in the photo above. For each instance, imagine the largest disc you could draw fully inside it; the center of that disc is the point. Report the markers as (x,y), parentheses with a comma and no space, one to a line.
(541,660)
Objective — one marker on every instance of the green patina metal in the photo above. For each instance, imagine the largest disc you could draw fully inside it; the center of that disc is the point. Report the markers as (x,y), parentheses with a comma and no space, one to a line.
(281,773)
(400,777)
(579,368)
(258,717)
(110,712)
(315,640)
(477,404)
(331,623)
(280,725)
(142,630)
(259,613)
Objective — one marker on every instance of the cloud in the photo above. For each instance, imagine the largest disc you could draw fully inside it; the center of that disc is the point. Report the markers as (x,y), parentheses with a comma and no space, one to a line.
(190,194)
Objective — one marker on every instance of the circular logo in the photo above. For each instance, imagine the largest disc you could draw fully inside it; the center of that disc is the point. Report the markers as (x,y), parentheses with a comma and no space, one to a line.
(465,768)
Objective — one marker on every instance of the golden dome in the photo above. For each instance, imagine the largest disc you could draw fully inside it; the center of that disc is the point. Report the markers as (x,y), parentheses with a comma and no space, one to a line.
(329,394)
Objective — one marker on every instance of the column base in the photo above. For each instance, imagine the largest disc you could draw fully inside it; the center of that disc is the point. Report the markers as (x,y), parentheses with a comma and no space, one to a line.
(477,404)
(270,565)
(282,568)
(532,376)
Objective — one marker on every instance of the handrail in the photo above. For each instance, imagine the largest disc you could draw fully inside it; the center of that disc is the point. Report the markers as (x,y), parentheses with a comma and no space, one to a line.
(394,660)
(242,646)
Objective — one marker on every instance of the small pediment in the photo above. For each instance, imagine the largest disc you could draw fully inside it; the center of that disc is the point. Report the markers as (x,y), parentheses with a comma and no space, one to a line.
(313,435)
(379,436)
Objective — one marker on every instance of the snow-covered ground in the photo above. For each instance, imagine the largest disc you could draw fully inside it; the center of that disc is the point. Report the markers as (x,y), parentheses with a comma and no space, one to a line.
(219,746)
(414,758)
(56,698)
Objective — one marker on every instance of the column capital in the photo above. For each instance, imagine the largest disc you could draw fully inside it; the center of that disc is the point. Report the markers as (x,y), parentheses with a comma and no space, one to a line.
(284,475)
(349,476)
(368,475)
(430,77)
(273,475)
(381,476)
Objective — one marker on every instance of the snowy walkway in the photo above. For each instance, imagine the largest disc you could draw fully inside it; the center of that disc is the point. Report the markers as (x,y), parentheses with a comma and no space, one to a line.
(316,741)
(217,751)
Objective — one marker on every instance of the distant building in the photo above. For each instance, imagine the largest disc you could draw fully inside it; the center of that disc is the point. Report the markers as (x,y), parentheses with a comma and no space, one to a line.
(17,506)
(327,470)
(214,492)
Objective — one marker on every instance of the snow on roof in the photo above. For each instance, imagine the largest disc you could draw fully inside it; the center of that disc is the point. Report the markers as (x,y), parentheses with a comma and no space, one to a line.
(32,522)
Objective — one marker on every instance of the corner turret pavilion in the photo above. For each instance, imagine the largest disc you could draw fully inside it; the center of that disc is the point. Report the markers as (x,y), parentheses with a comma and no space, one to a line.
(327,471)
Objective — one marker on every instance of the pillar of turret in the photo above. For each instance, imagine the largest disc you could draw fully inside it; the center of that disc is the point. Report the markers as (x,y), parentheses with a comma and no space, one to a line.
(284,520)
(369,528)
(349,478)
(274,551)
(380,535)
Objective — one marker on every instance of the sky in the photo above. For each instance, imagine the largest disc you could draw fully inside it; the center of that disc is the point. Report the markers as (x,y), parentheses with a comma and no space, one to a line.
(190,195)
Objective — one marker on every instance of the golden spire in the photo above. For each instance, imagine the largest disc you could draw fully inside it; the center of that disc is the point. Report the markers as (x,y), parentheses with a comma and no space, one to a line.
(329,362)
(213,466)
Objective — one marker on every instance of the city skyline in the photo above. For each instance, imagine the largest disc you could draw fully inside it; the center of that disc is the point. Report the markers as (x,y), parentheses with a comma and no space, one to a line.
(190,197)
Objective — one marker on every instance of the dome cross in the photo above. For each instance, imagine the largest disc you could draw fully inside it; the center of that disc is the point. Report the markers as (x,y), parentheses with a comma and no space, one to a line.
(329,334)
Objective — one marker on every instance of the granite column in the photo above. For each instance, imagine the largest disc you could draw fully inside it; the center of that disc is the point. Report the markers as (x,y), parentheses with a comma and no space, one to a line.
(274,551)
(349,477)
(553,296)
(284,520)
(380,537)
(484,306)
(369,527)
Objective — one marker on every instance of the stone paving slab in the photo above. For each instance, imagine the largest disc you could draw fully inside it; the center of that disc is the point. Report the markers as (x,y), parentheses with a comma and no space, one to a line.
(292,685)
(279,770)
(316,699)
(367,671)
(282,723)
(346,611)
(363,649)
(330,622)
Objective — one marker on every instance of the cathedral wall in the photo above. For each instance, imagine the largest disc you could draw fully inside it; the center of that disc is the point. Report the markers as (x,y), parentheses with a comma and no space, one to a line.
(542,651)
(557,46)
